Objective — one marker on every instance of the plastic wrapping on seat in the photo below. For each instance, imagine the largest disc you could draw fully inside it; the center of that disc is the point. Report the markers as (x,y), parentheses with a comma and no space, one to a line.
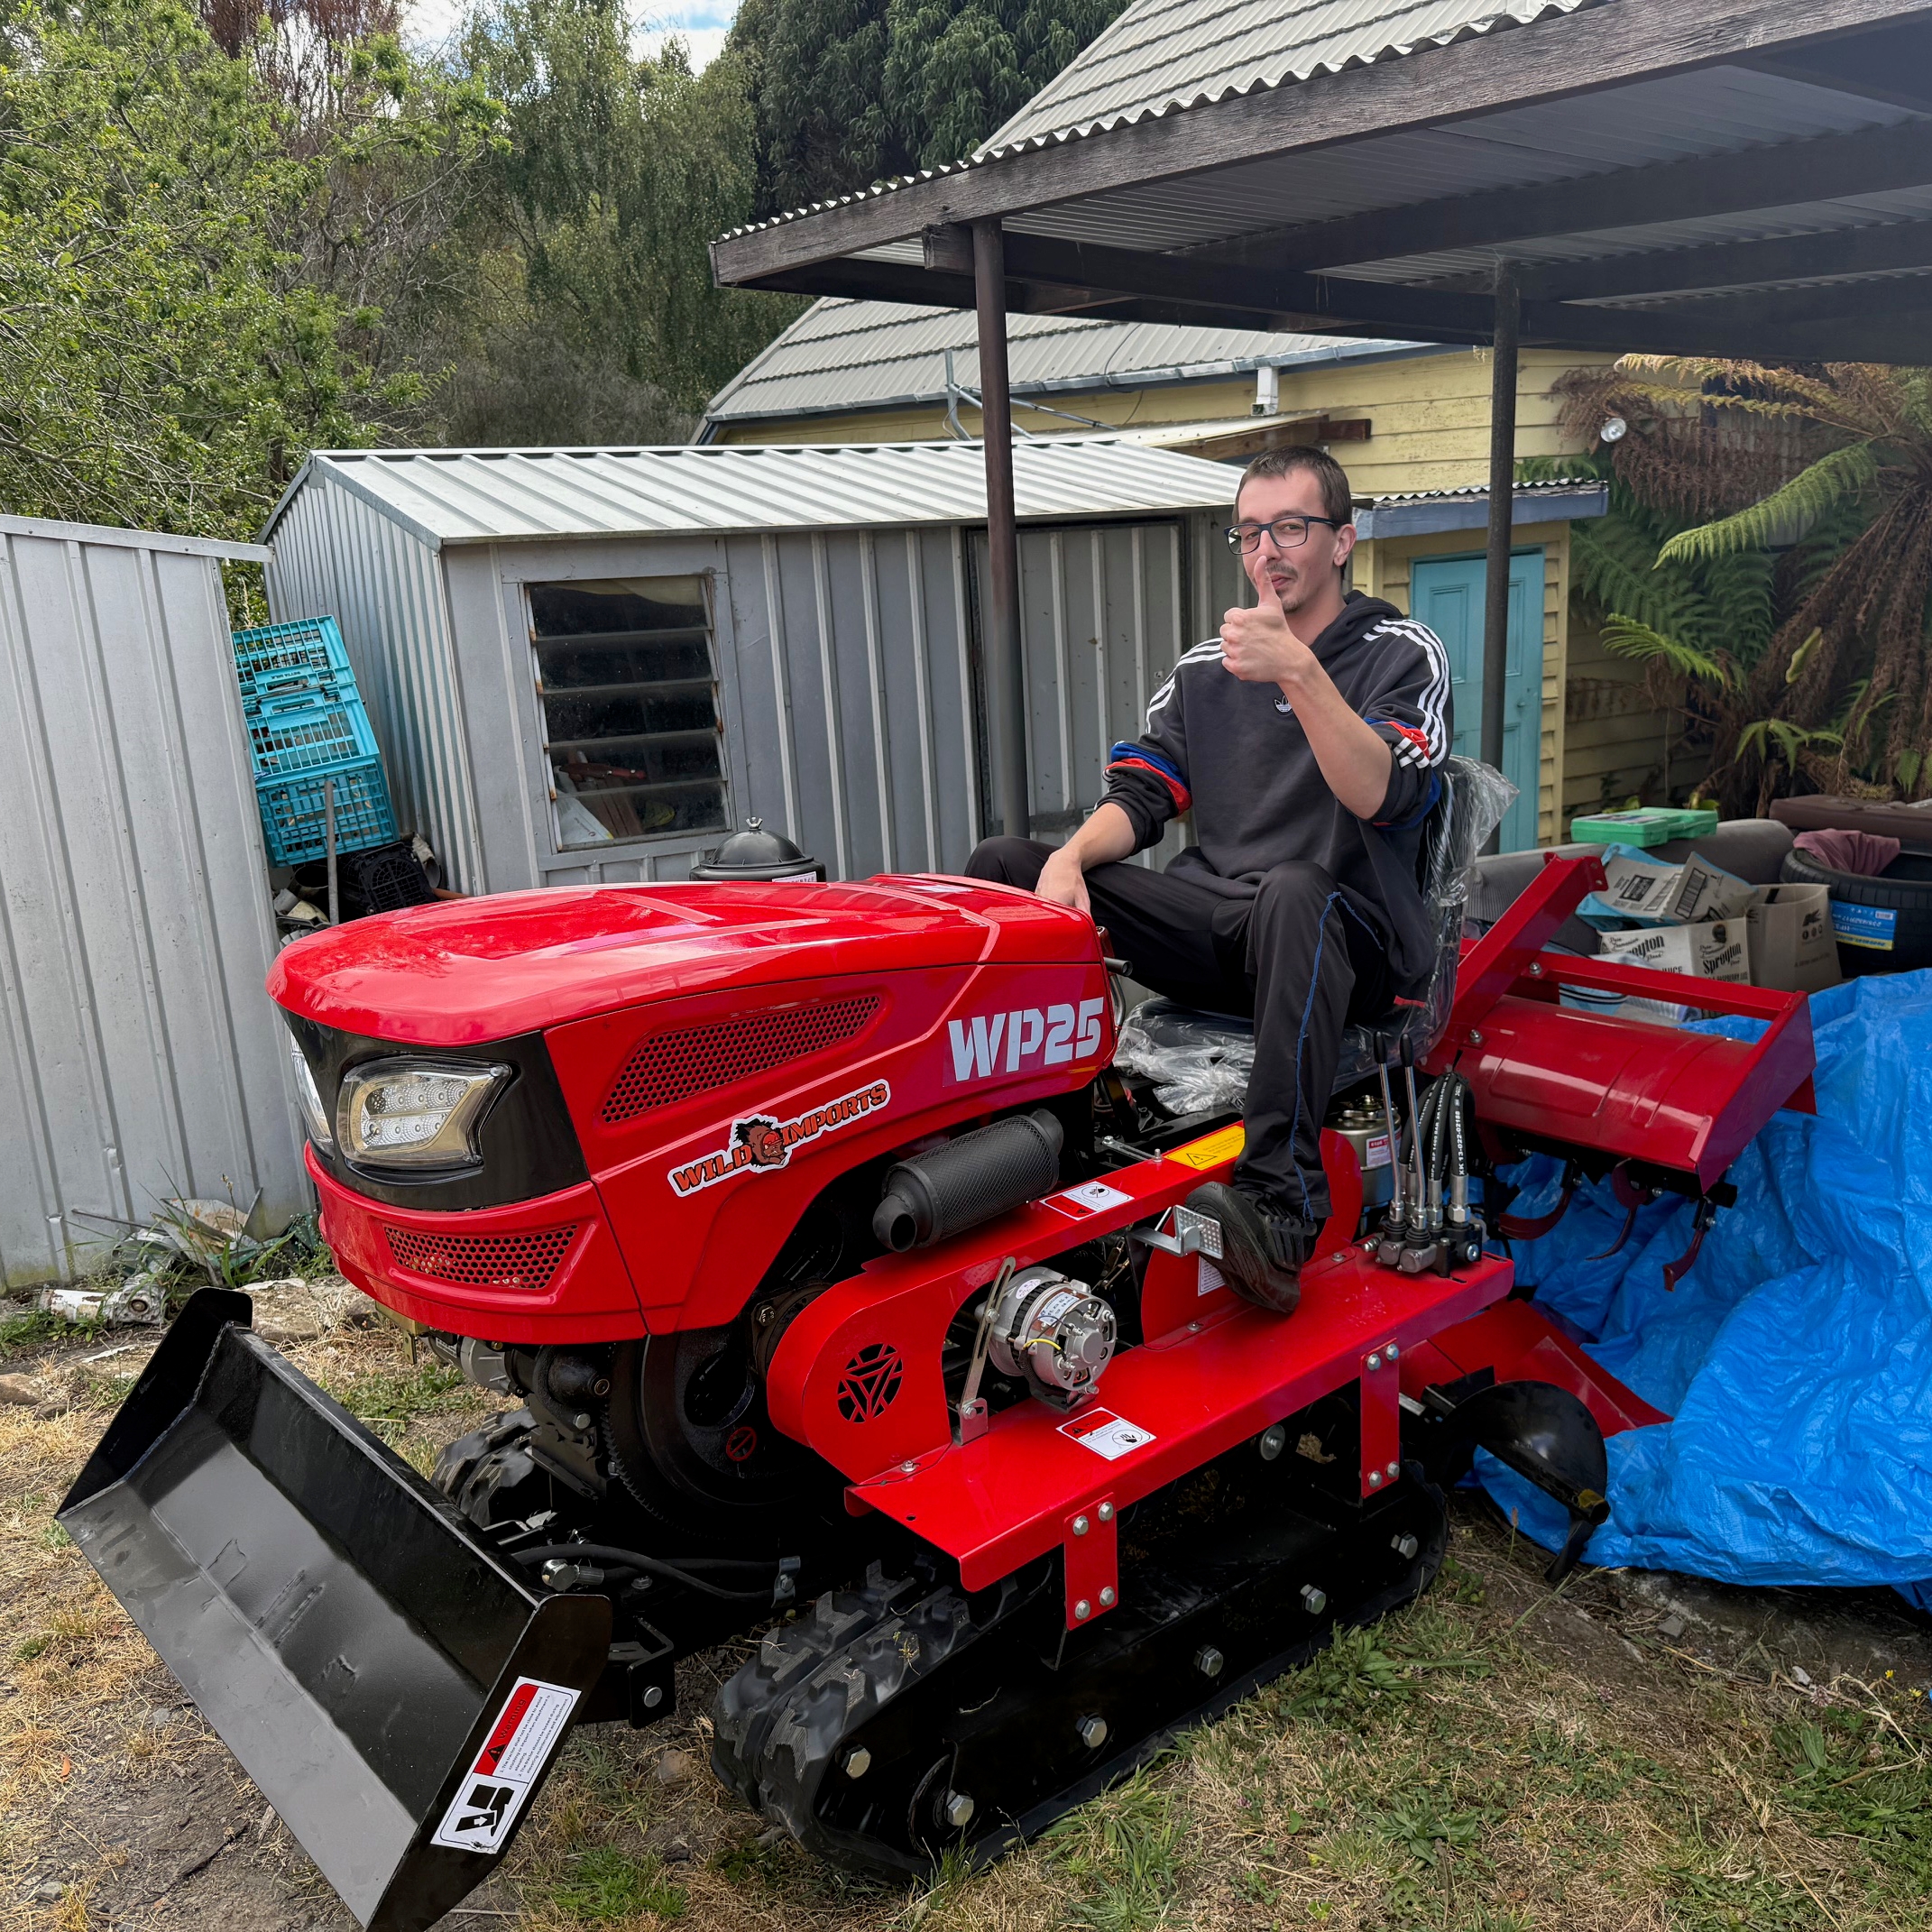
(1795,1358)
(1200,1062)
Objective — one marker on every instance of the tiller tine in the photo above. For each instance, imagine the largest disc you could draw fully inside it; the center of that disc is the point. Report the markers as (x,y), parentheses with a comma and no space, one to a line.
(1548,1437)
(394,1689)
(1631,1195)
(1533,1227)
(1675,1270)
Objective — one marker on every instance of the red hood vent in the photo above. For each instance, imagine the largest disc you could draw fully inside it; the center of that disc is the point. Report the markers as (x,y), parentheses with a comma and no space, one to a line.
(673,1066)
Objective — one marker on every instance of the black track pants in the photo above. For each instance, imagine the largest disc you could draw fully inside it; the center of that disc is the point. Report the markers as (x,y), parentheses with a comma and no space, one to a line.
(1296,956)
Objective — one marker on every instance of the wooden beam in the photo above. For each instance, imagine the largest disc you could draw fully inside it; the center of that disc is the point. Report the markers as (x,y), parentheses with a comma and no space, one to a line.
(1789,311)
(1748,329)
(1902,336)
(1236,446)
(1005,670)
(1872,251)
(1508,309)
(1574,54)
(1187,290)
(1872,161)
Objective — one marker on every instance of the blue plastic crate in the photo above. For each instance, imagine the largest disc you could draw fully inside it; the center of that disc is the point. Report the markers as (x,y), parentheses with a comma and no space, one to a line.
(276,661)
(287,735)
(294,811)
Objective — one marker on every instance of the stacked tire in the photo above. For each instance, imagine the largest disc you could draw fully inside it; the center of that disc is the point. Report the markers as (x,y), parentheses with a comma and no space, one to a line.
(1883,923)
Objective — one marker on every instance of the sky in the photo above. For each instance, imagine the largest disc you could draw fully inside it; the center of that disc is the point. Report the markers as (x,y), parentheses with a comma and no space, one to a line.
(701,25)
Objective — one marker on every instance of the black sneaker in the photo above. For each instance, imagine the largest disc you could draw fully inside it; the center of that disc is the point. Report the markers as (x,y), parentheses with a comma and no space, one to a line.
(1263,1244)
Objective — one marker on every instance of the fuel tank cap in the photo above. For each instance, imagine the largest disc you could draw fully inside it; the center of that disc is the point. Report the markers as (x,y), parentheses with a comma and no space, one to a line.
(755,853)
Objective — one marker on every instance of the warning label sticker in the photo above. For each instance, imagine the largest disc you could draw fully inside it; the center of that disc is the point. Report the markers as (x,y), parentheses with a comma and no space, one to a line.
(1212,1150)
(1088,1198)
(520,1743)
(1108,1436)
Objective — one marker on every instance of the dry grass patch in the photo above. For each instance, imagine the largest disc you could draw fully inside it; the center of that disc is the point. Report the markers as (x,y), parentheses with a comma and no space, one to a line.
(1496,1759)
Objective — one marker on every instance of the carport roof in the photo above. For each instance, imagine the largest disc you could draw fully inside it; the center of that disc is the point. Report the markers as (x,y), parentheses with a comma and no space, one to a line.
(1728,178)
(446,496)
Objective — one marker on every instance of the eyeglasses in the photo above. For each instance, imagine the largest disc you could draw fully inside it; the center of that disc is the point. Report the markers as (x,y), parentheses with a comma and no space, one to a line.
(1290,533)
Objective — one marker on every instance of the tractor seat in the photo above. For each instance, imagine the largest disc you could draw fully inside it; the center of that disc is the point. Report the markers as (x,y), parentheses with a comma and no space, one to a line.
(1199,1060)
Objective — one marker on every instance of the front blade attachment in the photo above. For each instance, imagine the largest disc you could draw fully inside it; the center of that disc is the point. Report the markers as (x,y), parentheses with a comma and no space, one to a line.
(395,1689)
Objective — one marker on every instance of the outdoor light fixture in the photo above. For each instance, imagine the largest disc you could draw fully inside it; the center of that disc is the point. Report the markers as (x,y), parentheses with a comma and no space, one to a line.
(418,1116)
(1614,431)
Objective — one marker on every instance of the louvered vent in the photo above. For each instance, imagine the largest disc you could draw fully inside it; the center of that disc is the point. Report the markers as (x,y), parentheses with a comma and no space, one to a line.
(525,1262)
(673,1066)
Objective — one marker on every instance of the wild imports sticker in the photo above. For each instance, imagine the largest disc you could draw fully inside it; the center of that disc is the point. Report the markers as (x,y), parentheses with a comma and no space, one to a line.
(760,1142)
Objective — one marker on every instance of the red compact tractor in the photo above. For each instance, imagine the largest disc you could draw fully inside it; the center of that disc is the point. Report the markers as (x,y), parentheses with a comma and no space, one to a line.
(850,1299)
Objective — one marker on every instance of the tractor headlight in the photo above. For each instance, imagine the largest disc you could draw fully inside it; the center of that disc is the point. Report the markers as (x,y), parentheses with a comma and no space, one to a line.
(415,1116)
(315,1116)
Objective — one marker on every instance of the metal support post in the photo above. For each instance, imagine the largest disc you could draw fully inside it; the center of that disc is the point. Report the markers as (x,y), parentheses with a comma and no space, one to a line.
(1006,669)
(1501,504)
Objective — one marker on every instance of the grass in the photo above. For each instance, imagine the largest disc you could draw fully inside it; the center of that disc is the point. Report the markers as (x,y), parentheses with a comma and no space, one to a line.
(606,1883)
(1491,1760)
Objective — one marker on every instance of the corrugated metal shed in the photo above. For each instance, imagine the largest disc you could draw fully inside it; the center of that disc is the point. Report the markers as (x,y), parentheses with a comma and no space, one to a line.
(860,355)
(1173,53)
(513,496)
(827,608)
(139,1056)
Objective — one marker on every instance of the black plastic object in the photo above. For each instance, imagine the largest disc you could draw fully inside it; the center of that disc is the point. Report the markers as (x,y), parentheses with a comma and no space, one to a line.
(382,1676)
(755,853)
(968,1181)
(378,878)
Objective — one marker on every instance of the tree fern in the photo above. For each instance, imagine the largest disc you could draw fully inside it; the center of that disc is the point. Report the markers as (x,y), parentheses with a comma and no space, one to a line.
(1785,515)
(1627,638)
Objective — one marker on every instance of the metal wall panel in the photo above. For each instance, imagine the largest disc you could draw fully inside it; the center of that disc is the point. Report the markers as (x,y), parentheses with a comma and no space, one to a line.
(853,696)
(1106,610)
(140,1056)
(338,555)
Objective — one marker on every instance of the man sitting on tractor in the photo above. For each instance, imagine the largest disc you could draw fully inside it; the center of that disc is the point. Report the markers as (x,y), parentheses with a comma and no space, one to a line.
(1308,740)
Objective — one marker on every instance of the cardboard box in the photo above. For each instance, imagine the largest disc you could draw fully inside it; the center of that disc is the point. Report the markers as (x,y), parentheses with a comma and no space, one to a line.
(1651,892)
(1715,949)
(1792,946)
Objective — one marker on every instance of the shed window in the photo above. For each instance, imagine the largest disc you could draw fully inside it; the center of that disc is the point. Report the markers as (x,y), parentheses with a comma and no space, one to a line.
(629,693)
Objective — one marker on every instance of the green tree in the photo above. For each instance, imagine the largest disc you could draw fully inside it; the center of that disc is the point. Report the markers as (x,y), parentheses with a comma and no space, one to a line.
(165,357)
(957,69)
(616,175)
(848,92)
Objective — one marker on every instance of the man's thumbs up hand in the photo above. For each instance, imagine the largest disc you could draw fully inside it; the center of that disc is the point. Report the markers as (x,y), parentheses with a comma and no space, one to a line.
(1259,646)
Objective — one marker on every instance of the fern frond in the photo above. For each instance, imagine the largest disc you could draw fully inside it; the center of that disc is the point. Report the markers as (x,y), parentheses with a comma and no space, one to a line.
(1626,638)
(1786,515)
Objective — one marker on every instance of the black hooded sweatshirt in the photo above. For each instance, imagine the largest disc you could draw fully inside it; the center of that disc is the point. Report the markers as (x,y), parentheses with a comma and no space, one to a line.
(1236,755)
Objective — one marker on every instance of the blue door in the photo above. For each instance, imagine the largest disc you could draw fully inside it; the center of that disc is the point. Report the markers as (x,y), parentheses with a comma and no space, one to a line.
(1446,593)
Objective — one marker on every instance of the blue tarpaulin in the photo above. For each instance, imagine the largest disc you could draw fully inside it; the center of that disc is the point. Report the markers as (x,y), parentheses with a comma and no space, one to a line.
(1796,1358)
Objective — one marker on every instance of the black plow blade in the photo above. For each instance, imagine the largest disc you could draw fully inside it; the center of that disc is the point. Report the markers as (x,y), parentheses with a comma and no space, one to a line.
(395,1689)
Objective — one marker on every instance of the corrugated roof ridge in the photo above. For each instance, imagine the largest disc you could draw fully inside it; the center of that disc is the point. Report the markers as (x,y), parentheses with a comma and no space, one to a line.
(1155,110)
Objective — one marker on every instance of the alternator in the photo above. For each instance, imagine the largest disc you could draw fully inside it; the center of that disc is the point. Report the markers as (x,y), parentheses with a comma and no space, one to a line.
(1055,1334)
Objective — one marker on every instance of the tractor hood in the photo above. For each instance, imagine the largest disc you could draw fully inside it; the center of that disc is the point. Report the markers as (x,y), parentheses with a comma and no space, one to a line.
(468,972)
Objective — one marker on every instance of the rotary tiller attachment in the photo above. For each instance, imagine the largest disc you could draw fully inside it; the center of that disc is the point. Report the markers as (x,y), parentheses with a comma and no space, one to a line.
(395,1689)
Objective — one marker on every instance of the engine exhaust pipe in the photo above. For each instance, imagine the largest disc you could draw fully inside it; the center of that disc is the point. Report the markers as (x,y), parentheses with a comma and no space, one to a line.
(968,1181)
